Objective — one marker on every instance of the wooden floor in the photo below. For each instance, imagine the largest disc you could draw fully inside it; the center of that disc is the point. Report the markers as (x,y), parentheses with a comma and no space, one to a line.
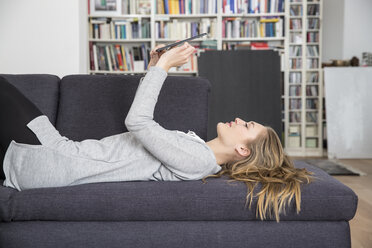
(361,224)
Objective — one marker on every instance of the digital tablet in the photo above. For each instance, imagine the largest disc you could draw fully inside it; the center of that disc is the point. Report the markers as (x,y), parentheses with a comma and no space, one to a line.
(179,42)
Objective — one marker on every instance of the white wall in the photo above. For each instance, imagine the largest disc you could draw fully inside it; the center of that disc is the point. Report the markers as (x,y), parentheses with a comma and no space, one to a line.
(357,28)
(333,30)
(346,29)
(50,36)
(43,36)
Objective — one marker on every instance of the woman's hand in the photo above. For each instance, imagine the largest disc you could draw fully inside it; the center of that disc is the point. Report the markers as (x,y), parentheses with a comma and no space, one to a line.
(154,55)
(176,56)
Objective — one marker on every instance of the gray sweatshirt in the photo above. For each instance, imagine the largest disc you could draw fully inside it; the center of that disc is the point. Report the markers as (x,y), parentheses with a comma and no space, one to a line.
(146,152)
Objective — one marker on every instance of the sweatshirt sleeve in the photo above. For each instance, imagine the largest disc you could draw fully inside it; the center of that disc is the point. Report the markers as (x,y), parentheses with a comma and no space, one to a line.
(187,159)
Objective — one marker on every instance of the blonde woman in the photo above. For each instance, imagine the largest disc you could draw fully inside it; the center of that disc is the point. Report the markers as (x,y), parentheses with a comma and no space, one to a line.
(35,155)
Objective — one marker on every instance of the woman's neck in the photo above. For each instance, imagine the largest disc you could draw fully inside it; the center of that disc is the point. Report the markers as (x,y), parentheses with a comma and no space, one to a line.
(219,150)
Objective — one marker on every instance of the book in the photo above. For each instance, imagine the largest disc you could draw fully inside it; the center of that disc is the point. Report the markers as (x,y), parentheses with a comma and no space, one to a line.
(311,142)
(95,57)
(259,46)
(294,141)
(311,130)
(119,57)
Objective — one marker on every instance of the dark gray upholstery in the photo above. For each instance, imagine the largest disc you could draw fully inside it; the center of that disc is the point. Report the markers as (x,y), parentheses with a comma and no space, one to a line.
(41,89)
(95,106)
(156,214)
(176,234)
(325,199)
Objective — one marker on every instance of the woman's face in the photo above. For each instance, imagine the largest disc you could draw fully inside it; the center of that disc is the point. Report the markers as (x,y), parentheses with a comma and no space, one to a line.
(239,132)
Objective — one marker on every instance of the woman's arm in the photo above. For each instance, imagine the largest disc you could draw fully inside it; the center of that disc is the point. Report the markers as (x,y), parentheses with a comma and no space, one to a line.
(187,159)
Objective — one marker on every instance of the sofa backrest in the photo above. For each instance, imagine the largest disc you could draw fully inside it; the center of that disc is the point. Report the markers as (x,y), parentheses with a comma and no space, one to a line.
(41,89)
(95,106)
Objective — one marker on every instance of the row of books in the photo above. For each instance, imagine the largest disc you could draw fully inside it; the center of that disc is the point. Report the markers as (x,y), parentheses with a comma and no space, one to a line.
(127,7)
(295,104)
(312,37)
(312,117)
(294,130)
(295,10)
(312,77)
(176,29)
(294,90)
(294,117)
(295,38)
(312,90)
(265,27)
(116,57)
(252,6)
(297,51)
(312,63)
(296,77)
(247,45)
(295,63)
(142,7)
(312,103)
(294,141)
(186,7)
(105,28)
(313,23)
(312,10)
(295,24)
(312,50)
(311,130)
(311,142)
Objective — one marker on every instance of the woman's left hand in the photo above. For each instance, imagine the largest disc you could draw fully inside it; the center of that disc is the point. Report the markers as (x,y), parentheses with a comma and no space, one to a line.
(154,55)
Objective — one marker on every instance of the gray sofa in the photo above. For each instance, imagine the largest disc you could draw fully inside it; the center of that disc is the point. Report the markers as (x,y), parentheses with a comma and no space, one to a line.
(149,213)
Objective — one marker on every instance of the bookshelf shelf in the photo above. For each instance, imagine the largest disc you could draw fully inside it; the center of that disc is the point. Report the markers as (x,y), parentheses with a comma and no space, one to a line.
(120,40)
(121,16)
(115,72)
(188,16)
(253,39)
(138,72)
(173,40)
(253,15)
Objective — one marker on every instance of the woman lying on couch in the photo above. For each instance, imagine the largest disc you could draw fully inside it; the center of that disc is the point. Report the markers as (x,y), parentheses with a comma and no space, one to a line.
(36,155)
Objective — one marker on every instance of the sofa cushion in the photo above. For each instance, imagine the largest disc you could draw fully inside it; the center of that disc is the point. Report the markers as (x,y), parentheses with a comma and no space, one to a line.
(324,199)
(180,234)
(41,89)
(95,106)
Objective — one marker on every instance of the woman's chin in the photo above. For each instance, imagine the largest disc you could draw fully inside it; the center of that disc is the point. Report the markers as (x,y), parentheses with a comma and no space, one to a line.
(222,125)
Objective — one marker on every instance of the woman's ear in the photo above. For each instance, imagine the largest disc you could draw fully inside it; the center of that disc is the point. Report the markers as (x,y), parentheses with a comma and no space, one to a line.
(242,150)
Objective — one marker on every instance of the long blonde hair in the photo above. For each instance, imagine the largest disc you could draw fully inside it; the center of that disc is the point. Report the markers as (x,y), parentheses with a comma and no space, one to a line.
(269,165)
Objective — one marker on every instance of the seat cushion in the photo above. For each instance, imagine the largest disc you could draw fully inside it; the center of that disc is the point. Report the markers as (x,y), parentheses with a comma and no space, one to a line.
(95,106)
(324,199)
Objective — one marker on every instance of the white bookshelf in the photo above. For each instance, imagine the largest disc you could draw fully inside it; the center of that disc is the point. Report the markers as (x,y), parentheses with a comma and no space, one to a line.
(283,41)
(153,41)
(306,143)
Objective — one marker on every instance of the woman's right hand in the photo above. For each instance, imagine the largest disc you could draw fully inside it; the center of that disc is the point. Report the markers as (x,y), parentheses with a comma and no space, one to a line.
(176,56)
